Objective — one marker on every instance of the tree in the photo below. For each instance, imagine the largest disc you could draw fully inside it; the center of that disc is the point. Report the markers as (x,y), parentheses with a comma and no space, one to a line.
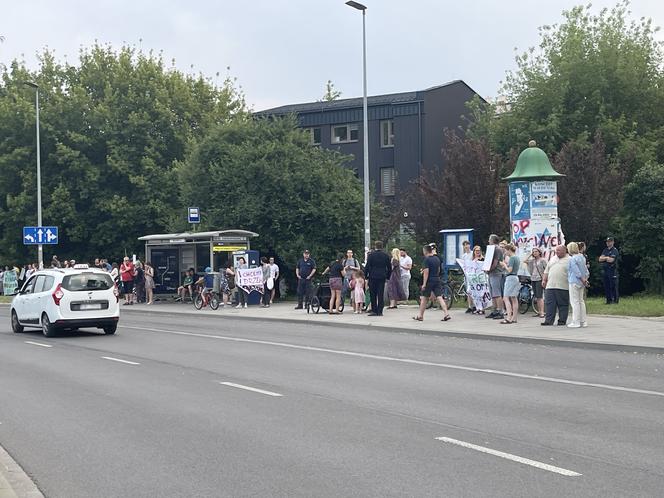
(263,175)
(643,226)
(112,128)
(467,193)
(331,93)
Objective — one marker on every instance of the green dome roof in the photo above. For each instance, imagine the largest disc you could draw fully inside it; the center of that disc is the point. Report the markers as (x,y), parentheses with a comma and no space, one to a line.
(533,164)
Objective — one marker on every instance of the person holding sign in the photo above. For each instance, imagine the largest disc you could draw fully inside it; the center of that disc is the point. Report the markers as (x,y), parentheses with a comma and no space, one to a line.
(431,283)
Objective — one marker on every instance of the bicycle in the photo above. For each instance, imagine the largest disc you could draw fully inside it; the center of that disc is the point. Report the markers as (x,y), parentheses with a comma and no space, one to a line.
(525,297)
(203,299)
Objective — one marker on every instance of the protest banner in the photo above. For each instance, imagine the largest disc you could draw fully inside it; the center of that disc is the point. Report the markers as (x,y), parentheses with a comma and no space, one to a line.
(477,282)
(250,280)
(488,258)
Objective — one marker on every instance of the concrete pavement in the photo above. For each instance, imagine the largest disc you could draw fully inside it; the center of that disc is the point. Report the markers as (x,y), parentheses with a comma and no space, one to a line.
(603,332)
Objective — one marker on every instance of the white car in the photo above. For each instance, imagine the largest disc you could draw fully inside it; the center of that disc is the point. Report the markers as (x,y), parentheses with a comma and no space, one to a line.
(58,299)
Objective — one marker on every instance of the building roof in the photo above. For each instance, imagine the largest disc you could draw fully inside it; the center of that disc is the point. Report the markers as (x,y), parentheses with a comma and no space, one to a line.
(198,235)
(333,105)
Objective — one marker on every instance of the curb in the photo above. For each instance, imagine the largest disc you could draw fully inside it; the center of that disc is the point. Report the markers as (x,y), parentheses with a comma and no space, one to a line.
(18,483)
(440,333)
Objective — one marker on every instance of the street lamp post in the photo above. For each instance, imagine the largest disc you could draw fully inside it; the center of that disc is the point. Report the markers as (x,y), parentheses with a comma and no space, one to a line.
(365,126)
(40,247)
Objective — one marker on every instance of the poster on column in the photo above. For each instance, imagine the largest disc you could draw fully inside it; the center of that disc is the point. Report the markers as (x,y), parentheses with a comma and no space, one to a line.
(519,201)
(540,233)
(543,200)
(477,282)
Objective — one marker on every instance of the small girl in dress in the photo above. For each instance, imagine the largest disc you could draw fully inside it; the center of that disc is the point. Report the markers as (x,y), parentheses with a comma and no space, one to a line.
(358,290)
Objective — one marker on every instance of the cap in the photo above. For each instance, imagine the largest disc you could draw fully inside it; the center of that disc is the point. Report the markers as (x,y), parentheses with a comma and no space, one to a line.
(208,269)
(609,238)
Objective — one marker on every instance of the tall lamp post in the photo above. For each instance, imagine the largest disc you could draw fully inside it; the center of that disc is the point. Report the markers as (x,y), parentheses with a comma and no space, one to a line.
(365,127)
(40,247)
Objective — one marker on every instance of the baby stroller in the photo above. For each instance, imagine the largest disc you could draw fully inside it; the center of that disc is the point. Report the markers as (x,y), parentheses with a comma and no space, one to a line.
(321,299)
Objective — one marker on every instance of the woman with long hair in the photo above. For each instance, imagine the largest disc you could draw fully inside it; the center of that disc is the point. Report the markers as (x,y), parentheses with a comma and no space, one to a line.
(536,267)
(337,272)
(149,282)
(395,290)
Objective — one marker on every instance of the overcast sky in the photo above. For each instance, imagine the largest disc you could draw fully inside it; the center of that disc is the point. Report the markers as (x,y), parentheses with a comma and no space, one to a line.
(283,51)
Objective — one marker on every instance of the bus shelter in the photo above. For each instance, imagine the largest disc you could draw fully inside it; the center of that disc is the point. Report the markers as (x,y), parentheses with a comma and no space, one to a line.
(172,254)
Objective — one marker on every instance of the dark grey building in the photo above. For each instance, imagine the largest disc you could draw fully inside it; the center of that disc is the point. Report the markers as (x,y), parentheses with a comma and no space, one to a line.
(405,130)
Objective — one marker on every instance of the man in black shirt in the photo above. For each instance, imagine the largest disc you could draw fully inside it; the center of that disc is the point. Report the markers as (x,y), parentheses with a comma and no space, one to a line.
(609,260)
(305,270)
(377,270)
(431,282)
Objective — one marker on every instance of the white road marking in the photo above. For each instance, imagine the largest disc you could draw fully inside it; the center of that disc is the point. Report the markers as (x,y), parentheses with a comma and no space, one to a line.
(119,360)
(408,361)
(509,456)
(38,344)
(253,389)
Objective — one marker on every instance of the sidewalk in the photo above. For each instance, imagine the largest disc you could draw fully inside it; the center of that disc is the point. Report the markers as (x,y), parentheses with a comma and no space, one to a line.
(14,483)
(604,332)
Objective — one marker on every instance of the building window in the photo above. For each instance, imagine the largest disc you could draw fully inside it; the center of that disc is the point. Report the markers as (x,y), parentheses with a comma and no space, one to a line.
(387,181)
(387,133)
(345,133)
(314,135)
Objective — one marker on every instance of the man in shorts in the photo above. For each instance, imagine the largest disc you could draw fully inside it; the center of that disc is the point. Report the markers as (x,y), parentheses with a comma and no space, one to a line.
(127,272)
(431,283)
(496,279)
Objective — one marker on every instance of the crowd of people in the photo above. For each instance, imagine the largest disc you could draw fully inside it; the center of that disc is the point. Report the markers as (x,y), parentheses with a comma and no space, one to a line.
(557,283)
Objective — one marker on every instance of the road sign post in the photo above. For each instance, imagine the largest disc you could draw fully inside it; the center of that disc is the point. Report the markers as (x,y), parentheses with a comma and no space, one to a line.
(193,216)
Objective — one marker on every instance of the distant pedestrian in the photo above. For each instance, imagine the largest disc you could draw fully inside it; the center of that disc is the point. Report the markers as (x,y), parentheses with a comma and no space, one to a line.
(378,269)
(432,284)
(536,267)
(405,265)
(467,255)
(609,260)
(274,274)
(358,285)
(496,278)
(556,288)
(512,284)
(351,265)
(578,280)
(127,277)
(139,282)
(337,273)
(304,271)
(267,275)
(149,282)
(395,290)
(55,262)
(242,295)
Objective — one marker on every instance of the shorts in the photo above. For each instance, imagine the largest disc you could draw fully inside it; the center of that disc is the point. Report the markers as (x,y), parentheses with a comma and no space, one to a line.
(496,282)
(336,283)
(538,291)
(435,287)
(128,286)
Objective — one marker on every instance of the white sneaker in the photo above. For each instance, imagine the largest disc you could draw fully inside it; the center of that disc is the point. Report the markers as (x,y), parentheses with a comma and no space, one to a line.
(238,306)
(245,305)
(573,325)
(584,325)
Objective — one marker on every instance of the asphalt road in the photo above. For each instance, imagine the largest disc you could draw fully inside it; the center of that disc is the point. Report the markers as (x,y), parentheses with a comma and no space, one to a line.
(333,412)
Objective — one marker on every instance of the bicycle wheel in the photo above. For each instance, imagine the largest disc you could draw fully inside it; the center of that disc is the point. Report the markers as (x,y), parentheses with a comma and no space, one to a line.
(525,299)
(214,301)
(198,302)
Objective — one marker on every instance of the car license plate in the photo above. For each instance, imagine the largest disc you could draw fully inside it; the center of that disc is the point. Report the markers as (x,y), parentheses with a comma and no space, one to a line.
(93,306)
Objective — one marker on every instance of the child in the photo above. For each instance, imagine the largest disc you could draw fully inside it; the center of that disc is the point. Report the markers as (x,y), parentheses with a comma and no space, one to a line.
(358,290)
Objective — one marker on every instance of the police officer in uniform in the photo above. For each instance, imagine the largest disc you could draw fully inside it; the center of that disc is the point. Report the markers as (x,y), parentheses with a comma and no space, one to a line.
(609,260)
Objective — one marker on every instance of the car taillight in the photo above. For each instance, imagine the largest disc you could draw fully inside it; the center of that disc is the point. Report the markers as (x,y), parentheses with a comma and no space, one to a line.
(116,293)
(58,295)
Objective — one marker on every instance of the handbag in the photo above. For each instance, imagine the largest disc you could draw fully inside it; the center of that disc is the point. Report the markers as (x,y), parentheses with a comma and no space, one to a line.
(270,283)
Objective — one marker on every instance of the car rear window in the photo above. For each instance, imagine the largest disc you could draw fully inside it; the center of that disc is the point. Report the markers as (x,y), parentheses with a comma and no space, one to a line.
(87,282)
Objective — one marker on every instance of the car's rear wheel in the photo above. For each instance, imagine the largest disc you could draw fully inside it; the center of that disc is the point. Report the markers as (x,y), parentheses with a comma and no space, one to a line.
(48,329)
(16,325)
(110,329)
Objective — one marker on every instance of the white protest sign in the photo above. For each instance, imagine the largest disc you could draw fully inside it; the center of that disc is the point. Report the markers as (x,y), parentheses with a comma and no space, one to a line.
(477,282)
(488,258)
(250,280)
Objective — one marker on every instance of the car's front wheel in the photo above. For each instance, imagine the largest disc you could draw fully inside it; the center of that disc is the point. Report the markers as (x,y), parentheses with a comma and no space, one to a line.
(16,325)
(48,329)
(110,329)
